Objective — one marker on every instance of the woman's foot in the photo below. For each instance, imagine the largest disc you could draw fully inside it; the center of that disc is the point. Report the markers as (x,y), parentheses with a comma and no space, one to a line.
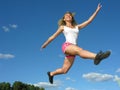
(50,77)
(100,56)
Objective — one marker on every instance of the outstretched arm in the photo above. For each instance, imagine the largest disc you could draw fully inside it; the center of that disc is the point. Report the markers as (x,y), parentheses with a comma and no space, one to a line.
(91,18)
(51,38)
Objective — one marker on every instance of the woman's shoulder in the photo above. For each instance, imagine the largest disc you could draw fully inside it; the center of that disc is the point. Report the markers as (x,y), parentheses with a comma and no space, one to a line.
(61,27)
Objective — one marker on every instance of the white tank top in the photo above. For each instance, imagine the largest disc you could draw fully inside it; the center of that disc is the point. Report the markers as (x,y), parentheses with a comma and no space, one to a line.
(71,34)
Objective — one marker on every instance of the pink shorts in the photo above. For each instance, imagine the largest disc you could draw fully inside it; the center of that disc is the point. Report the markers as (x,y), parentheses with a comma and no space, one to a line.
(64,46)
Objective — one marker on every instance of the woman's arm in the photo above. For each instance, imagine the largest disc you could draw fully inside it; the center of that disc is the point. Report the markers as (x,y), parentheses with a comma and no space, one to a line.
(91,18)
(51,38)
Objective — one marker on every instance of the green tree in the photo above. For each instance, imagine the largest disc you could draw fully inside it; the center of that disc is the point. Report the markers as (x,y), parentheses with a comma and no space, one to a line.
(5,86)
(19,86)
(42,89)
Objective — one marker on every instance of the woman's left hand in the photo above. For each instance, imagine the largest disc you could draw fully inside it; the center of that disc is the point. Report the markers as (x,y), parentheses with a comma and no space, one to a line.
(99,7)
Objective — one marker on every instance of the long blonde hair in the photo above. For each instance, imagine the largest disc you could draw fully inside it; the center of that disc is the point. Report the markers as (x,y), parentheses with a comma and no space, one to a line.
(62,22)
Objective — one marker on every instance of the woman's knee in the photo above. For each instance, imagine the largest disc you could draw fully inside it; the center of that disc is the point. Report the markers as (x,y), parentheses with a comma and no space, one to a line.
(64,70)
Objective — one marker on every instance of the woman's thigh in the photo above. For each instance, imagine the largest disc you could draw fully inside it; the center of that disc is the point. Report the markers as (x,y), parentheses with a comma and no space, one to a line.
(72,50)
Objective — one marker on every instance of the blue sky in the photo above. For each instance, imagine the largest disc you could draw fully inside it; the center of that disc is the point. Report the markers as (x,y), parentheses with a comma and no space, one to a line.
(26,24)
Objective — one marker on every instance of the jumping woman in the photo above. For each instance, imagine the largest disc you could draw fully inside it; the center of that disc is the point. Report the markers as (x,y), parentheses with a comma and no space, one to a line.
(70,29)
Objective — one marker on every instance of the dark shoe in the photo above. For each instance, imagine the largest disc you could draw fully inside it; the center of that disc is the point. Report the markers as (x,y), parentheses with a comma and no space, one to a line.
(100,56)
(50,78)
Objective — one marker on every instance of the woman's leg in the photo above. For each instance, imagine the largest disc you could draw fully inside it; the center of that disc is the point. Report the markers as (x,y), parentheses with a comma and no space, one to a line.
(75,50)
(68,62)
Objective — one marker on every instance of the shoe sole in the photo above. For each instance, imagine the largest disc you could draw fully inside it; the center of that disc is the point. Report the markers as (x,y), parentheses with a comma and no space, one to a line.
(105,55)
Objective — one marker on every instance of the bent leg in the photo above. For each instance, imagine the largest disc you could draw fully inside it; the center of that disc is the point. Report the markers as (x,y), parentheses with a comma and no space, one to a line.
(75,50)
(68,62)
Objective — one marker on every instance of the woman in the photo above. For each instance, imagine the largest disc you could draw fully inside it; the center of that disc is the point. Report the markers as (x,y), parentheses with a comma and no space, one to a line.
(70,29)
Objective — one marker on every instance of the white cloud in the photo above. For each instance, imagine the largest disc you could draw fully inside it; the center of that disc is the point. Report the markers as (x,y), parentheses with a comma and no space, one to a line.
(6,56)
(8,28)
(99,89)
(70,88)
(117,79)
(56,84)
(5,29)
(118,70)
(97,77)
(14,26)
(45,84)
(61,55)
(68,78)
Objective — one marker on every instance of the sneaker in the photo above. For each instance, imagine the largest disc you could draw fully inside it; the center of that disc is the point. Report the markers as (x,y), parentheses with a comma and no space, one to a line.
(50,78)
(100,56)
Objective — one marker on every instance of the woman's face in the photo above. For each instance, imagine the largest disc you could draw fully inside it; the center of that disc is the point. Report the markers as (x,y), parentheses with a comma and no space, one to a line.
(67,17)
